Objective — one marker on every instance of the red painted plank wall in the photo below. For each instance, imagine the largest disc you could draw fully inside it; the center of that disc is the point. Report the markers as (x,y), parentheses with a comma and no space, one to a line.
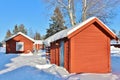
(11,44)
(90,51)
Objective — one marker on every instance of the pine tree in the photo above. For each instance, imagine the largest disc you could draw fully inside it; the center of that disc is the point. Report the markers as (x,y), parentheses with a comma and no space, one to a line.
(1,45)
(15,29)
(57,23)
(37,36)
(118,35)
(8,34)
(22,29)
(113,30)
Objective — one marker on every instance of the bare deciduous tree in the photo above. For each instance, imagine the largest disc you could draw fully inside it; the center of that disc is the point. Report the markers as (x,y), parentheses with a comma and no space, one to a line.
(68,5)
(102,9)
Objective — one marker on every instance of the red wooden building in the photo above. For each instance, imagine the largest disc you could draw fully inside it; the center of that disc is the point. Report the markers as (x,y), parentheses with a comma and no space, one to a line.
(38,45)
(19,43)
(82,48)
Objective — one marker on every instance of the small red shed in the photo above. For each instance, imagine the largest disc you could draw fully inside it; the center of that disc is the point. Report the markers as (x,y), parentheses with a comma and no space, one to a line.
(19,43)
(38,45)
(84,48)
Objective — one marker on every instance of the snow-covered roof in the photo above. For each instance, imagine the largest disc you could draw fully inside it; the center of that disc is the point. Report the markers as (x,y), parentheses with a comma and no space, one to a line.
(38,41)
(20,34)
(56,36)
(66,32)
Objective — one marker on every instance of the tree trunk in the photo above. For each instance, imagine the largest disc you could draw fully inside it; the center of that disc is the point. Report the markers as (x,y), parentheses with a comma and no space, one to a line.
(84,9)
(71,12)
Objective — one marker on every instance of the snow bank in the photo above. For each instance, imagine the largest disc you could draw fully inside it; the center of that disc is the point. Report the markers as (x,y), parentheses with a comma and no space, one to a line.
(63,73)
(28,54)
(40,53)
(115,49)
(46,66)
(93,76)
(54,69)
(2,49)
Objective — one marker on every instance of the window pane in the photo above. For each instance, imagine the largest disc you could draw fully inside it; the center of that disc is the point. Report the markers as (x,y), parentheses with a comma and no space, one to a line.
(19,46)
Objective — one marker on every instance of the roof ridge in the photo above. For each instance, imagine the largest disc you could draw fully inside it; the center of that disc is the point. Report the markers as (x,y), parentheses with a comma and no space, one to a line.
(21,34)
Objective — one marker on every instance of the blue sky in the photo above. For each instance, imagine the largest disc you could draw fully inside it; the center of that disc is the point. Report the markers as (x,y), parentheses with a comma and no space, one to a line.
(34,14)
(31,13)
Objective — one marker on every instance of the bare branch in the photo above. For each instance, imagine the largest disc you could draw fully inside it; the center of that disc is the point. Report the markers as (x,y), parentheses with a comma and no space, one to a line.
(62,4)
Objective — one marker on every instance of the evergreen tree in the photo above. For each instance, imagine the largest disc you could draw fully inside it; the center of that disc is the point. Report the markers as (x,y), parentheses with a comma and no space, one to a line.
(114,30)
(57,23)
(37,36)
(118,35)
(15,29)
(22,29)
(42,37)
(1,45)
(8,34)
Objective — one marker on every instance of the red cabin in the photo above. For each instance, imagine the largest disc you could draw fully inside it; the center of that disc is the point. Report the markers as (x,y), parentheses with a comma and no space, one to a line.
(84,48)
(19,43)
(38,45)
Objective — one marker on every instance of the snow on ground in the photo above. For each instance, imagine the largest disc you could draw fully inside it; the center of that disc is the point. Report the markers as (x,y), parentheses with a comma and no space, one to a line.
(21,61)
(91,76)
(28,73)
(2,49)
(36,67)
(53,69)
(21,67)
(4,59)
(115,50)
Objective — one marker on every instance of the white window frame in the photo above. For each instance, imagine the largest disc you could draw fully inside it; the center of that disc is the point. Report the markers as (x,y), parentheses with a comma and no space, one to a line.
(19,46)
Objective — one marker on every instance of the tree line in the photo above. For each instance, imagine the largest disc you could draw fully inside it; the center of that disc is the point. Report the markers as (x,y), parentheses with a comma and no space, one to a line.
(21,28)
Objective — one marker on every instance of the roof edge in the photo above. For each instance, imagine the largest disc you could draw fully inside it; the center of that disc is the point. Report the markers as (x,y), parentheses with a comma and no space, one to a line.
(18,34)
(80,25)
(115,36)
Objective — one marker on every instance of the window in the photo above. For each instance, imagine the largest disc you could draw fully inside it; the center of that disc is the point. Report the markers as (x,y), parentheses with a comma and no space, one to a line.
(19,46)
